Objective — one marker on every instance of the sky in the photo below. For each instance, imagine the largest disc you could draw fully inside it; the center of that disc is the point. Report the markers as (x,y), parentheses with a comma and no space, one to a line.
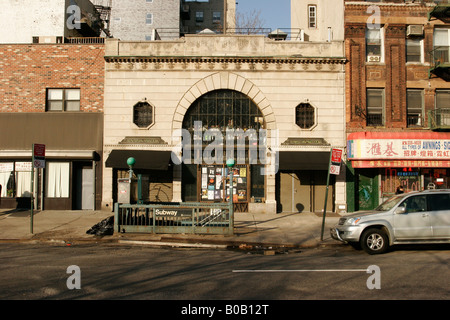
(275,13)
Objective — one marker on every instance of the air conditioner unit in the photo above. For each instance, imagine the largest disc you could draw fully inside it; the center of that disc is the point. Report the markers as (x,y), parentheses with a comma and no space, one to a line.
(414,30)
(373,59)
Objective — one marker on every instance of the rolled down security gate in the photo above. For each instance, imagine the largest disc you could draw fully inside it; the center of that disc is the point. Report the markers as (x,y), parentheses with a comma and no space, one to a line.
(194,218)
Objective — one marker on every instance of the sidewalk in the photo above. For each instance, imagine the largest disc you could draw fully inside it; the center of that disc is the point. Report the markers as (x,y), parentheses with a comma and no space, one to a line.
(251,230)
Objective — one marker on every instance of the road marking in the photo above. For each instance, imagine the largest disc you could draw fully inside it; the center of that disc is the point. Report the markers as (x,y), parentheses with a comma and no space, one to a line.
(304,270)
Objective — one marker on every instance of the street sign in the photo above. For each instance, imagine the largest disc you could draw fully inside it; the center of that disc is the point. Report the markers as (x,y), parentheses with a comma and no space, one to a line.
(336,157)
(38,155)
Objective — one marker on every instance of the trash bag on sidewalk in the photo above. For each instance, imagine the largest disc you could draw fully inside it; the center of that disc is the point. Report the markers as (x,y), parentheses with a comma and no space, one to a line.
(103,228)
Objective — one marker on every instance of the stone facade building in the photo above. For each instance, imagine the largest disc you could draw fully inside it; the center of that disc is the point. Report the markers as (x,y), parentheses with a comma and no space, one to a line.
(291,89)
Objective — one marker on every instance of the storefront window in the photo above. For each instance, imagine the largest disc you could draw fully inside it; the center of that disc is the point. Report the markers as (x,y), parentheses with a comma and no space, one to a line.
(392,178)
(58,179)
(7,179)
(219,113)
(436,178)
(23,179)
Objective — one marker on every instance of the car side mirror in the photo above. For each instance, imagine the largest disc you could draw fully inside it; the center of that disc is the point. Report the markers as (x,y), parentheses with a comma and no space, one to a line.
(400,210)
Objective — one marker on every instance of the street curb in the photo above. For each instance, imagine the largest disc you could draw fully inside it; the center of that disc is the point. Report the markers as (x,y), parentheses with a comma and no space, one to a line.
(178,243)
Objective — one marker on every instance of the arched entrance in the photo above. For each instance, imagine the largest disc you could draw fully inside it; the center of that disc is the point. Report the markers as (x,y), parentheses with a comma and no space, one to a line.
(210,120)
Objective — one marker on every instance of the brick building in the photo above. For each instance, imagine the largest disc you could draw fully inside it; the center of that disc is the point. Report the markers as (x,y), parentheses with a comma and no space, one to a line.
(397,98)
(52,94)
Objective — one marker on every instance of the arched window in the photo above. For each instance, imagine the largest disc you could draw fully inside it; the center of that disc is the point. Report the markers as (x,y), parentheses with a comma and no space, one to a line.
(305,115)
(224,109)
(143,114)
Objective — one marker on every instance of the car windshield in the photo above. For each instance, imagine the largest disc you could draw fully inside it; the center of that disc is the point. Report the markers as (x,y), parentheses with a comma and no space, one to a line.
(390,203)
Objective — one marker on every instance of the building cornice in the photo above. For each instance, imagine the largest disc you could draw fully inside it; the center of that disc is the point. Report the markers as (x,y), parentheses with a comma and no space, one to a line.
(225,63)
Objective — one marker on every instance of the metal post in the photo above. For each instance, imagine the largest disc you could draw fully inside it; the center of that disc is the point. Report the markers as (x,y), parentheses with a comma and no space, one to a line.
(32,193)
(230,164)
(326,197)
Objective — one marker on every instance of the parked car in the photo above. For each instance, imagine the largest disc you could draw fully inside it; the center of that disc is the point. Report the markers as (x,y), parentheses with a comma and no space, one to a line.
(414,217)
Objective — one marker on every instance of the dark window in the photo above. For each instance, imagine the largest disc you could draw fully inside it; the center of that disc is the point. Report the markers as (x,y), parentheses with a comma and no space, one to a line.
(375,107)
(414,105)
(224,109)
(439,201)
(413,50)
(143,114)
(305,115)
(415,204)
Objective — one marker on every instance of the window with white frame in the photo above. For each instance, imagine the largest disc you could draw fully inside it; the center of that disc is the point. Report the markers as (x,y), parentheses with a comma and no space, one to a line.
(375,107)
(414,107)
(149,18)
(312,16)
(441,44)
(63,99)
(414,50)
(374,44)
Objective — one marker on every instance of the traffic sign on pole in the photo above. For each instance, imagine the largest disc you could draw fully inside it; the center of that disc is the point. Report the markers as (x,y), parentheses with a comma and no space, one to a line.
(38,155)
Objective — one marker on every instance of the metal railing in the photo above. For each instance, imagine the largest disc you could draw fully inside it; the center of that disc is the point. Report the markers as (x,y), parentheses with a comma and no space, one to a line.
(189,217)
(85,40)
(439,119)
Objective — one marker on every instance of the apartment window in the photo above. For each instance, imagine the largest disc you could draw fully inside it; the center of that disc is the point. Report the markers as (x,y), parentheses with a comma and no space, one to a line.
(217,17)
(312,16)
(149,18)
(143,114)
(305,115)
(442,99)
(63,99)
(414,107)
(441,45)
(373,45)
(199,16)
(375,107)
(413,50)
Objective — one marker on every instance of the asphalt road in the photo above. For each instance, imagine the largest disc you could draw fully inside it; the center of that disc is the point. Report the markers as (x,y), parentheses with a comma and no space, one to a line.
(52,272)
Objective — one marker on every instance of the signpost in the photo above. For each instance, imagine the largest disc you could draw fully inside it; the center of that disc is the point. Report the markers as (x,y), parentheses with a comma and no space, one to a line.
(334,167)
(38,162)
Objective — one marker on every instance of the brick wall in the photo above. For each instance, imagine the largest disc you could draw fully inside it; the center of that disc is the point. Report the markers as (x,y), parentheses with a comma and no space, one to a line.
(27,70)
(393,74)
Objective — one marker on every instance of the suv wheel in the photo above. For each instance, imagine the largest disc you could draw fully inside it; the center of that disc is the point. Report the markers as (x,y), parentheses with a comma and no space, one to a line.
(374,241)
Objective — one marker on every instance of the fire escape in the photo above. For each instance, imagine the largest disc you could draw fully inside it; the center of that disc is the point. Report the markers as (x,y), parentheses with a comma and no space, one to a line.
(439,119)
(103,8)
(440,55)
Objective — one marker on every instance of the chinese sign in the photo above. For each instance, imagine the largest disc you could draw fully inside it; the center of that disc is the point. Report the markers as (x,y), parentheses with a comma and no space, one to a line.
(400,164)
(411,149)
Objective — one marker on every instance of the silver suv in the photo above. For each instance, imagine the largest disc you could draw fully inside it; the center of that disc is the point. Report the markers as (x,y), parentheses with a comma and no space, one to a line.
(414,217)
